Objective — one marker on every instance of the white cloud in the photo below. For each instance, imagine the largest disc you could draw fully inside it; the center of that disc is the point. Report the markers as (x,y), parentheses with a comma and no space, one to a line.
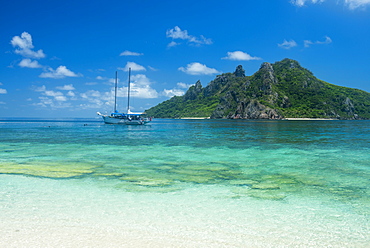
(24,46)
(40,89)
(177,91)
(96,99)
(91,93)
(44,102)
(172,92)
(60,98)
(183,85)
(60,72)
(143,91)
(140,79)
(152,68)
(177,33)
(129,53)
(301,3)
(52,93)
(56,103)
(53,99)
(172,44)
(29,63)
(71,94)
(140,87)
(327,40)
(198,69)
(133,66)
(353,4)
(288,44)
(239,55)
(308,43)
(66,87)
(3,91)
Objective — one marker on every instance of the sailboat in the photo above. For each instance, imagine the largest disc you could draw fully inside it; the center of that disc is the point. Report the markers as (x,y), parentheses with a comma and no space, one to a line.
(129,118)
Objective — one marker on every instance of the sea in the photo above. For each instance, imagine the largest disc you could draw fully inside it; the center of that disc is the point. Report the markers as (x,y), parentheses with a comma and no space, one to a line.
(184,183)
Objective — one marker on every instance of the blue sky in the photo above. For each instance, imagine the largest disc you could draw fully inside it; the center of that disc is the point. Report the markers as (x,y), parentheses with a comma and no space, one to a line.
(59,58)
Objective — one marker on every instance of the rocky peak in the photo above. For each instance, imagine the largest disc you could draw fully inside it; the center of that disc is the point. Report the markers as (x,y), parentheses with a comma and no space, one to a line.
(198,86)
(267,66)
(193,91)
(267,74)
(239,72)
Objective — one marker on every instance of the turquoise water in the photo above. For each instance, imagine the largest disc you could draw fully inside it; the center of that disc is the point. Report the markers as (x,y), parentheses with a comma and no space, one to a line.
(186,183)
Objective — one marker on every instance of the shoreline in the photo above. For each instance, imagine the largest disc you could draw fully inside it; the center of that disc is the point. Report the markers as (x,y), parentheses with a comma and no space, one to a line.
(194,118)
(309,119)
(284,119)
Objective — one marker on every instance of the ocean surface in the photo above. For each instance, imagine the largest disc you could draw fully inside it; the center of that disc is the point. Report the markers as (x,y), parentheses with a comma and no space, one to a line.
(184,183)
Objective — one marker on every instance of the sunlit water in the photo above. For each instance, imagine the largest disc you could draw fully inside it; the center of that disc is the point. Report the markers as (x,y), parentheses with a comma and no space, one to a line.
(185,183)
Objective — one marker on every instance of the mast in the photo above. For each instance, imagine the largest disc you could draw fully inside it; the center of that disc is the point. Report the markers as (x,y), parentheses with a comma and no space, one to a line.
(128,93)
(115,96)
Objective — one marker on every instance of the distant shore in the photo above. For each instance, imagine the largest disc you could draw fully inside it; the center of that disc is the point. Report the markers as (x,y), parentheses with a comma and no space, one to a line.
(309,119)
(287,119)
(194,118)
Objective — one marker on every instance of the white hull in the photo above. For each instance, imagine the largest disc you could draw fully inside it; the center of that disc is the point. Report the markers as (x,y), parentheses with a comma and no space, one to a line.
(114,120)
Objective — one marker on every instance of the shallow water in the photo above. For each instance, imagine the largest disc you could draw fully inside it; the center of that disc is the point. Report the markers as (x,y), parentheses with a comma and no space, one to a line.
(187,183)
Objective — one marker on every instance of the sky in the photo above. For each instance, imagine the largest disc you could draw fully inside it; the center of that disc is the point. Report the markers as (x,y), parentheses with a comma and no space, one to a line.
(58,59)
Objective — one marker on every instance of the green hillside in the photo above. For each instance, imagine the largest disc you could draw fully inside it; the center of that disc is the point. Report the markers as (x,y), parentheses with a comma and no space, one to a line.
(280,90)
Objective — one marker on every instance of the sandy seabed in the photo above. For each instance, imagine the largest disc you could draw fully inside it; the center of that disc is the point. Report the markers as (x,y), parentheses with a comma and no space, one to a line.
(56,235)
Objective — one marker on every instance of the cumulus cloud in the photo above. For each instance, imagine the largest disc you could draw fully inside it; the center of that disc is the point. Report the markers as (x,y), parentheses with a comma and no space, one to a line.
(239,55)
(57,102)
(133,66)
(66,87)
(58,96)
(29,63)
(51,98)
(172,44)
(24,46)
(101,78)
(308,43)
(129,53)
(177,33)
(179,90)
(140,87)
(92,94)
(288,44)
(96,99)
(198,69)
(183,85)
(3,91)
(172,92)
(71,94)
(60,72)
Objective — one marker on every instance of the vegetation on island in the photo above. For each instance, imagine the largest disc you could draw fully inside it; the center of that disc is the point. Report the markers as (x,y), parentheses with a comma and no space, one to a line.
(276,91)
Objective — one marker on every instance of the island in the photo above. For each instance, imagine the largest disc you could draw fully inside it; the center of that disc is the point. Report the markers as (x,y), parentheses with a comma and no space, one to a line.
(282,90)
